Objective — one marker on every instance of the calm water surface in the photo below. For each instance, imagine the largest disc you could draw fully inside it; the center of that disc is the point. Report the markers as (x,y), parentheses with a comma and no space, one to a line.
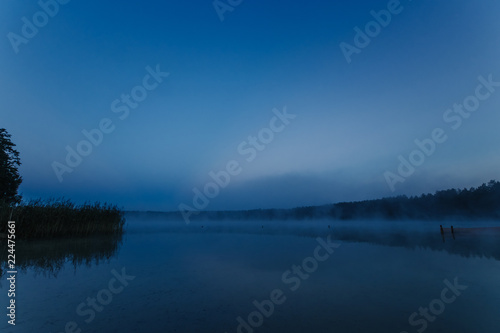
(224,277)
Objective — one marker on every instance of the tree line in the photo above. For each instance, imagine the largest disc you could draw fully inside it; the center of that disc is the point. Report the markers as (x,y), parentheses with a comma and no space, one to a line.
(478,203)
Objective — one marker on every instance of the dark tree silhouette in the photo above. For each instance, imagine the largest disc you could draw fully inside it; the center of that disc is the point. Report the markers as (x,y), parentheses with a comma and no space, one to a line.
(478,203)
(9,174)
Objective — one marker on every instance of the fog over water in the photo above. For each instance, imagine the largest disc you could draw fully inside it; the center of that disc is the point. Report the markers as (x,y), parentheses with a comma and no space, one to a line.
(202,277)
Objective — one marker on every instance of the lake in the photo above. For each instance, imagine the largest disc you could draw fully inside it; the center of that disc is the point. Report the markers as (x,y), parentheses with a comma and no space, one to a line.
(272,276)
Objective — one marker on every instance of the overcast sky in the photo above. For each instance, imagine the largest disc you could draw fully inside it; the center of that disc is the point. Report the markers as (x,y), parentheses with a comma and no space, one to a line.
(343,113)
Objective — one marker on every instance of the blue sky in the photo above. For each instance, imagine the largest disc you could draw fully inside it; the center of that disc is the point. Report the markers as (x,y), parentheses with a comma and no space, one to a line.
(352,120)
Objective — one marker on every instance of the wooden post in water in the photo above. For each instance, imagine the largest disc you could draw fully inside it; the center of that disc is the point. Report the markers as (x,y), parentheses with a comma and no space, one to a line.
(452,232)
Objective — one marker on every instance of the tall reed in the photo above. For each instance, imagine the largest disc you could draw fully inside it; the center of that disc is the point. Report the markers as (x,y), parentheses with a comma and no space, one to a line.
(61,218)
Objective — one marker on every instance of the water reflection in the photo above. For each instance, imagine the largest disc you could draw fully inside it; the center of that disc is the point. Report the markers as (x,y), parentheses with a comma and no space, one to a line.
(202,277)
(459,242)
(466,242)
(50,256)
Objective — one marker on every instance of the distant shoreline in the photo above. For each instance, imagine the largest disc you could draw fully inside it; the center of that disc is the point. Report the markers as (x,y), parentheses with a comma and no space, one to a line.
(474,204)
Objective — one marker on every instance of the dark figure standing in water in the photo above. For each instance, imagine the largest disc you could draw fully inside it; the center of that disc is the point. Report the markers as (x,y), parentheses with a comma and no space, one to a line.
(453,232)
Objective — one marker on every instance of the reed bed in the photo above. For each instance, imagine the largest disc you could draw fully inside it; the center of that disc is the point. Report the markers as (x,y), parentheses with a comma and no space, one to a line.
(38,219)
